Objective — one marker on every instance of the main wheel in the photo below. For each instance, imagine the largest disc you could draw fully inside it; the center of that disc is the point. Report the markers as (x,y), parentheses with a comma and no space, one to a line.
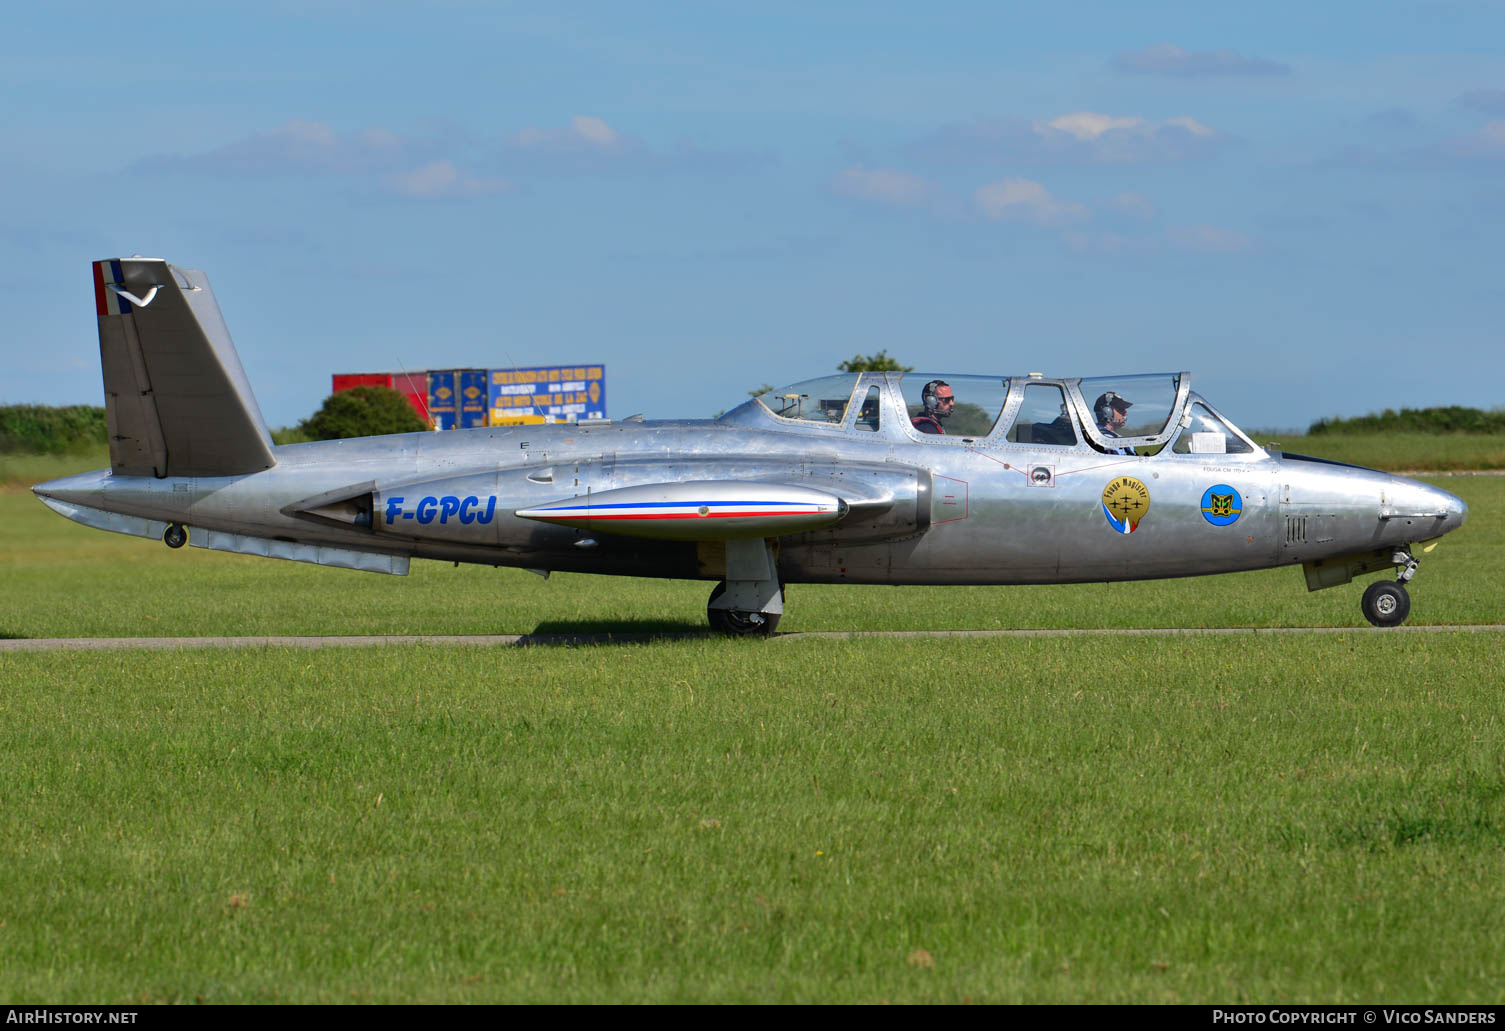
(1386,603)
(175,536)
(736,623)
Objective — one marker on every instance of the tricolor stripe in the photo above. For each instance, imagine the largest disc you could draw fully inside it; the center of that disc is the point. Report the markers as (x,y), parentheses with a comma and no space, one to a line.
(684,510)
(805,505)
(1121,525)
(108,274)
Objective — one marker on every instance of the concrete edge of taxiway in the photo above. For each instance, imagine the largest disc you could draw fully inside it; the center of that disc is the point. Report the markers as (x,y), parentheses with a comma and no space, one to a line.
(86,644)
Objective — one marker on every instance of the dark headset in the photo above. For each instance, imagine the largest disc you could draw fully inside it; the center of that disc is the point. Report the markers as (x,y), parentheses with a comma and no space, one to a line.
(1103,407)
(931,399)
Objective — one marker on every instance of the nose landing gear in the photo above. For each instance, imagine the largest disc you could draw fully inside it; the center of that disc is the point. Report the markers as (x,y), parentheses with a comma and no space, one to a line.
(1387,602)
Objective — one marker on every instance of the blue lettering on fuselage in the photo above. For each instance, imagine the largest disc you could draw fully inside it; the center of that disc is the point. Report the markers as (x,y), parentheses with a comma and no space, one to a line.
(467,510)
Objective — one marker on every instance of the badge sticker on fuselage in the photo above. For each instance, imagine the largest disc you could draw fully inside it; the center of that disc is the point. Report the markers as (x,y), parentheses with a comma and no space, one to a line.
(1222,505)
(1125,502)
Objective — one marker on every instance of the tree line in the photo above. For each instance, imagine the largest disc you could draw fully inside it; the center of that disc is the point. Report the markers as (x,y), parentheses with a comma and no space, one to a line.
(373,411)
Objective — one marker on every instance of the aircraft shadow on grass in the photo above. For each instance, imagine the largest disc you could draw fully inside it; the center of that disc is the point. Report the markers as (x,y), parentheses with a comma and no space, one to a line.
(668,629)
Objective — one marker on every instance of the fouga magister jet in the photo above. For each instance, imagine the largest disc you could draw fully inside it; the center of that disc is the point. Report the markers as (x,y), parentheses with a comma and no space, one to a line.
(872,478)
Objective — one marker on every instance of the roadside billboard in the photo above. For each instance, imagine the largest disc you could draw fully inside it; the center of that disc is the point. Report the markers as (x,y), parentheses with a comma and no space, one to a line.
(548,393)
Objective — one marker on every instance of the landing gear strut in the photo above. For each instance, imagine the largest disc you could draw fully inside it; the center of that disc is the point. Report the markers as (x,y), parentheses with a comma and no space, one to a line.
(1387,602)
(750,600)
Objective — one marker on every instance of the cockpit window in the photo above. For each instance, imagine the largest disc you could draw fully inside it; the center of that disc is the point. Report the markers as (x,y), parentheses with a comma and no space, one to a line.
(814,400)
(1043,418)
(867,415)
(1130,406)
(1203,433)
(953,406)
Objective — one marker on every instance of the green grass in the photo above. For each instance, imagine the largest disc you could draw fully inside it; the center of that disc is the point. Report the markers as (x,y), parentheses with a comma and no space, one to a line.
(1399,452)
(1257,818)
(24,469)
(1314,818)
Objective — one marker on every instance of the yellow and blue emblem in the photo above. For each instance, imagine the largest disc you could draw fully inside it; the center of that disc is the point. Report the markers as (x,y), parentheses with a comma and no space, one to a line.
(1222,505)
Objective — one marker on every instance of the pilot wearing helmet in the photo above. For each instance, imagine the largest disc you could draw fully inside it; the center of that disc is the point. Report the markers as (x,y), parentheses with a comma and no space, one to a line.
(1112,412)
(939,402)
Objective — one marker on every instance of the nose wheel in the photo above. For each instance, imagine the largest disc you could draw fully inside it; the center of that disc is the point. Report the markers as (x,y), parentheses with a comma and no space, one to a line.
(1387,602)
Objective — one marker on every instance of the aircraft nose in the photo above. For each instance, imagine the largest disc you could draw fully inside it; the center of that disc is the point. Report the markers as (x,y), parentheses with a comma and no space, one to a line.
(1453,508)
(1457,510)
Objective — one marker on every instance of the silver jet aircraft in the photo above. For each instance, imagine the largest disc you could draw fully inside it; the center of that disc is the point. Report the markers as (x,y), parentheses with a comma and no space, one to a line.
(874,478)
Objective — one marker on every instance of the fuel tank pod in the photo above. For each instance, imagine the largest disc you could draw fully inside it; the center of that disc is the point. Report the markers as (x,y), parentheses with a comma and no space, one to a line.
(707,510)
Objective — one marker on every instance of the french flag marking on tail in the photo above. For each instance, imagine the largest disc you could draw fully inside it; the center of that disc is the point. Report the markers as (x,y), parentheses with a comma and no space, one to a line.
(106,300)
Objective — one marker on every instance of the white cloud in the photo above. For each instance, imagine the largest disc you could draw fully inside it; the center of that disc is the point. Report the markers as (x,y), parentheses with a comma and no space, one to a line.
(1088,125)
(585,133)
(1080,137)
(1024,200)
(881,186)
(1095,243)
(588,145)
(1168,59)
(1487,143)
(303,146)
(1482,150)
(1191,125)
(1205,239)
(435,163)
(442,179)
(1124,139)
(1133,205)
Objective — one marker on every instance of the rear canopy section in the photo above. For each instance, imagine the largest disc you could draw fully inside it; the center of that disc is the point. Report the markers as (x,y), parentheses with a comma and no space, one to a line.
(177,400)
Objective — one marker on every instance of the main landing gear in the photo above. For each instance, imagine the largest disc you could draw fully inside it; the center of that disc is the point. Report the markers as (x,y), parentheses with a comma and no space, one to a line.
(741,622)
(175,536)
(750,600)
(1387,602)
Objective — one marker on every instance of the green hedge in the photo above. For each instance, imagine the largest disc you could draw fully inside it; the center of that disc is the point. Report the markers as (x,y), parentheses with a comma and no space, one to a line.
(1451,419)
(40,429)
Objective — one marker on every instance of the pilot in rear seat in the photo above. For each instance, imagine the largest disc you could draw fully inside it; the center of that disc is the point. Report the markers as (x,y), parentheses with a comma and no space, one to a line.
(939,403)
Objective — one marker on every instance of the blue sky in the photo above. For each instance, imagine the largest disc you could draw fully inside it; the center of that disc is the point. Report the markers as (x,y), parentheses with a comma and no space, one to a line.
(1300,203)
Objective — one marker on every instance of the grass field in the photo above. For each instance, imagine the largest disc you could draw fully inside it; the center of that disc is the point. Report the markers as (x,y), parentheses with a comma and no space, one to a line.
(1270,818)
(1399,452)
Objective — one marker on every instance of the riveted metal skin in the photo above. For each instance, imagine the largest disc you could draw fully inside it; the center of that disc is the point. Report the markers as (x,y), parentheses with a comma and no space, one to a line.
(880,502)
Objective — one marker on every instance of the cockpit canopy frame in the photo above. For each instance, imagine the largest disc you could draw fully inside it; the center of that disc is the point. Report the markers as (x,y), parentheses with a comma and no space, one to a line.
(1160,406)
(1144,390)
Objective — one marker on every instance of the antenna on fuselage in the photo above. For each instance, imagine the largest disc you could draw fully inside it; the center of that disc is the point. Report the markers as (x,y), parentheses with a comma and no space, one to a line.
(422,394)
